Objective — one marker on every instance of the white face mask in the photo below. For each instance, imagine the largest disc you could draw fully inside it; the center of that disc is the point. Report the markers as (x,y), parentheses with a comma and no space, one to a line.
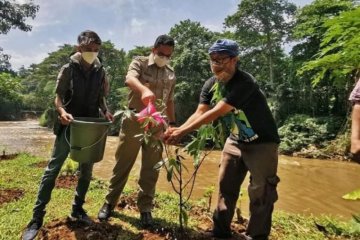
(89,57)
(161,61)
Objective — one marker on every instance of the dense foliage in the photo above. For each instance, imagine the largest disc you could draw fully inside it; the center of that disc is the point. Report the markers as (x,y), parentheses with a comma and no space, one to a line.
(300,131)
(14,15)
(10,100)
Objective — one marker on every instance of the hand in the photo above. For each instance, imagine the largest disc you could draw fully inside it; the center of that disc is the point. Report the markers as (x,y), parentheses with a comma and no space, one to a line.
(175,136)
(109,116)
(66,118)
(147,96)
(168,132)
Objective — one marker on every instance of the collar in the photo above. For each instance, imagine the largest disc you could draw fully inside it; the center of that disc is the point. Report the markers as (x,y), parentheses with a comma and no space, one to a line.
(151,59)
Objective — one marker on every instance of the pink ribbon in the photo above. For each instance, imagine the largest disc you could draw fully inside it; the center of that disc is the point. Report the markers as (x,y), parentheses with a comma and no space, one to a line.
(150,113)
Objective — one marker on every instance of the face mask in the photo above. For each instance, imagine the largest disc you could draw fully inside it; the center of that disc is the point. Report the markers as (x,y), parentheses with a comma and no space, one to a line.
(161,61)
(89,57)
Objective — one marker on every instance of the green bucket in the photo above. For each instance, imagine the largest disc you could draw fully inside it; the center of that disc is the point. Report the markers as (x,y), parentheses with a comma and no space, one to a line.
(88,139)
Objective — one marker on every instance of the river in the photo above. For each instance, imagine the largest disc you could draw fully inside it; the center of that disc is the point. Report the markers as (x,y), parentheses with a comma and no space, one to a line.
(308,186)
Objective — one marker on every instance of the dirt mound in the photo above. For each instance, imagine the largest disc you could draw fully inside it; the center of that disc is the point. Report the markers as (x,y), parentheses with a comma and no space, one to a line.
(67,229)
(9,195)
(8,156)
(70,230)
(66,181)
(42,164)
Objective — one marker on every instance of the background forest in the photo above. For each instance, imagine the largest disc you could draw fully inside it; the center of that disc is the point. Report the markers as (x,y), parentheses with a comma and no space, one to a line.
(306,60)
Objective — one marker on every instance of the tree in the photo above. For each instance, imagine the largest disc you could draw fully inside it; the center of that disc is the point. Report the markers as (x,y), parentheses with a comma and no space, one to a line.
(115,63)
(139,51)
(260,27)
(339,57)
(191,65)
(14,15)
(309,29)
(39,85)
(10,97)
(325,94)
(4,61)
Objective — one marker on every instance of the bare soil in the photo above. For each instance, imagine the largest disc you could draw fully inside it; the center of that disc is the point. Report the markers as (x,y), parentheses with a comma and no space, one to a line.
(74,230)
(9,195)
(66,181)
(42,164)
(5,156)
(68,229)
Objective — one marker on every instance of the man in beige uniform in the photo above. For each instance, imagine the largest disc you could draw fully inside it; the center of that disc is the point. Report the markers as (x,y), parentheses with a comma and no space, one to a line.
(149,79)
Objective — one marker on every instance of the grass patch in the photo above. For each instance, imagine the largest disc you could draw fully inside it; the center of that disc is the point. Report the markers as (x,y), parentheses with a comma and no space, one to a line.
(22,173)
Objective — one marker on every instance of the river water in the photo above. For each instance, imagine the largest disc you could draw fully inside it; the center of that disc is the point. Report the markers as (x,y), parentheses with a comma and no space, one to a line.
(308,186)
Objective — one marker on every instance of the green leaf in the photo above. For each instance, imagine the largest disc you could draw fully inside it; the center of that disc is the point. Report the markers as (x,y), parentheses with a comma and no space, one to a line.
(174,163)
(170,173)
(158,165)
(356,218)
(354,195)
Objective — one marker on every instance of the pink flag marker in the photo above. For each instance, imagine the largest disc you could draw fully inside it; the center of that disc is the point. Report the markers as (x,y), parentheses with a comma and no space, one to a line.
(150,113)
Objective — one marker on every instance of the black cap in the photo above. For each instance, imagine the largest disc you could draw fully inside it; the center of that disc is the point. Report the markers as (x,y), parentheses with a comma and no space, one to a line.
(87,37)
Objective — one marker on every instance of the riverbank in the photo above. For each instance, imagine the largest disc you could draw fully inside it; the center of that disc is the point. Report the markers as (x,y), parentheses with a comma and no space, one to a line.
(16,212)
(308,186)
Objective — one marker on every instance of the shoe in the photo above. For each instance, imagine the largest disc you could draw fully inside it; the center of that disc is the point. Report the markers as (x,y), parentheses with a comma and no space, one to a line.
(105,212)
(79,214)
(221,235)
(32,229)
(214,236)
(146,219)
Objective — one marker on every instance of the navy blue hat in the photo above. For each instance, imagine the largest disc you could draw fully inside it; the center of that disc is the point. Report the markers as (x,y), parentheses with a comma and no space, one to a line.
(226,46)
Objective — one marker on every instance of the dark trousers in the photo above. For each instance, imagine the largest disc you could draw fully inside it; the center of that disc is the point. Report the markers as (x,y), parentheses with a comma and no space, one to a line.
(60,152)
(261,161)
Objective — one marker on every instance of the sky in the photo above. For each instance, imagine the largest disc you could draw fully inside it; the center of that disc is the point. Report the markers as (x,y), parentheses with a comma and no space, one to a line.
(126,23)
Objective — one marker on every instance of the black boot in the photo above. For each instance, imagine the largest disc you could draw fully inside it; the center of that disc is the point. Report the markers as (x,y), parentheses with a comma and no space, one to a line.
(79,214)
(105,212)
(32,228)
(146,219)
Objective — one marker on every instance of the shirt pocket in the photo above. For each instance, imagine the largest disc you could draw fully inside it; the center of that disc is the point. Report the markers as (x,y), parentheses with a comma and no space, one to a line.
(148,80)
(168,84)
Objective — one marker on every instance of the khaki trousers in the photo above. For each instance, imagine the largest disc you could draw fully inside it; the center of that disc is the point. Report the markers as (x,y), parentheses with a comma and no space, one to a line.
(125,156)
(261,160)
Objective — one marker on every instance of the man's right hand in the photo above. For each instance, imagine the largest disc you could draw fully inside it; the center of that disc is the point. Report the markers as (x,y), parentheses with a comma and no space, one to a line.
(168,132)
(147,96)
(66,118)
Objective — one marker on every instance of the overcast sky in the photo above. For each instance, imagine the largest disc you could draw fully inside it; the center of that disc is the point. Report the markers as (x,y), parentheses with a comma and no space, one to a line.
(126,23)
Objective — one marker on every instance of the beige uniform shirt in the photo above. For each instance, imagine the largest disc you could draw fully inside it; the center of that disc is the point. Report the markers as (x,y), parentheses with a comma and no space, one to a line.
(161,81)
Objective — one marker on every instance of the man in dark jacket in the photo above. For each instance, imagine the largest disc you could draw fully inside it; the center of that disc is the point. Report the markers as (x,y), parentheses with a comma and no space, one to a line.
(81,88)
(252,145)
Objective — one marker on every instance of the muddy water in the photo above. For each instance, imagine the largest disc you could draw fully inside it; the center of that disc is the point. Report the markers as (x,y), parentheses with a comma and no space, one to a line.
(307,186)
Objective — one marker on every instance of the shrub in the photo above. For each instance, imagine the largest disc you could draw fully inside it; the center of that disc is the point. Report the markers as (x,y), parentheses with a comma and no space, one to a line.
(300,131)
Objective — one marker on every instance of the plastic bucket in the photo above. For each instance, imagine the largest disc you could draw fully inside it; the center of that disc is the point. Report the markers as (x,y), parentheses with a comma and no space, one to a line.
(88,139)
